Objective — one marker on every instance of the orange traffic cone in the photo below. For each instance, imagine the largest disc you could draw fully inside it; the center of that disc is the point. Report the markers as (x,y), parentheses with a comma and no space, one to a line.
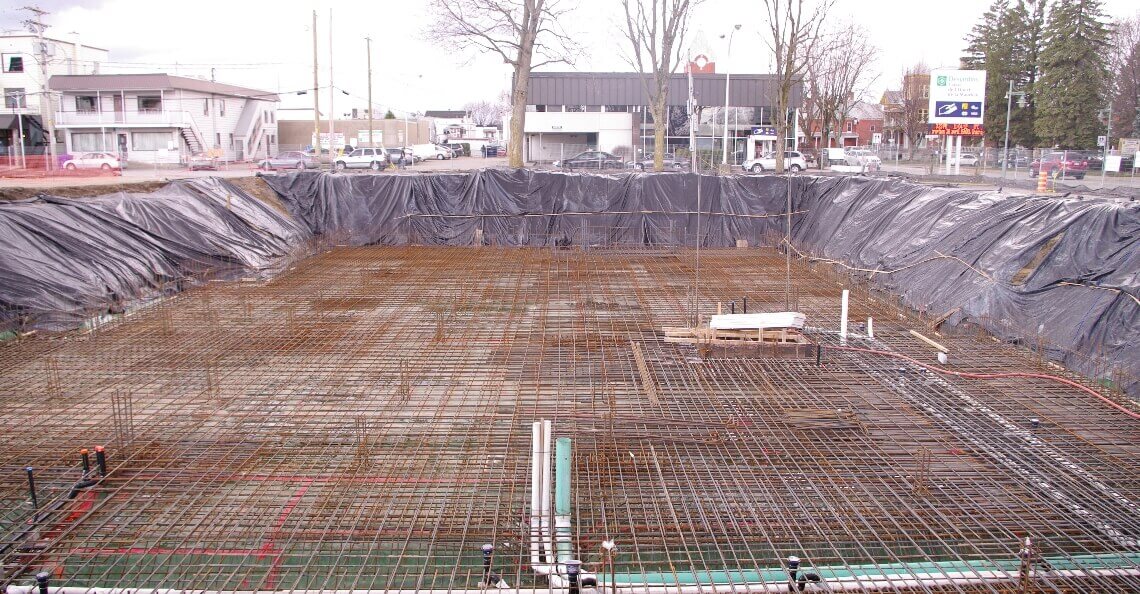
(1043,181)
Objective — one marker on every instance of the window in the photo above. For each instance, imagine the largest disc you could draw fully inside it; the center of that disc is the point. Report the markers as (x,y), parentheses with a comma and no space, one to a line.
(231,139)
(221,107)
(14,98)
(574,108)
(922,115)
(13,63)
(86,141)
(872,128)
(205,107)
(150,104)
(848,126)
(86,104)
(217,140)
(617,108)
(149,141)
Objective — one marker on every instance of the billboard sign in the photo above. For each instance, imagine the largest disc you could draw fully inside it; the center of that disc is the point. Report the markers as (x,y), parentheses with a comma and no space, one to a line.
(377,137)
(957,130)
(957,96)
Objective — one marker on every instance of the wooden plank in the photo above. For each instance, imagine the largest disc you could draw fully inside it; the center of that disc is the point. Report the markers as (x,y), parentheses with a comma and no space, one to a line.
(647,381)
(929,341)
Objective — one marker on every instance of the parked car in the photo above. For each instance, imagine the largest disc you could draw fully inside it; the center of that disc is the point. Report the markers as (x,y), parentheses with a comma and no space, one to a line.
(103,161)
(590,159)
(431,151)
(793,162)
(670,162)
(290,160)
(456,148)
(201,162)
(1063,163)
(968,159)
(1016,160)
(863,158)
(375,159)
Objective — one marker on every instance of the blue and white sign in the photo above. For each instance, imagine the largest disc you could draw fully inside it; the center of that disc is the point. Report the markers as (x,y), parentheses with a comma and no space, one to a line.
(958,109)
(764,131)
(957,96)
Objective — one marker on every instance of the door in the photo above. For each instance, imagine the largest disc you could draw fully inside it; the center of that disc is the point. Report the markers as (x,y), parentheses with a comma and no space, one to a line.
(118,101)
(122,147)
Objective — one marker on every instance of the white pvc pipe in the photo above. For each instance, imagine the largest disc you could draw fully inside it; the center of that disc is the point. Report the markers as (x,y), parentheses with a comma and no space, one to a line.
(871,328)
(535,492)
(843,318)
(851,583)
(547,463)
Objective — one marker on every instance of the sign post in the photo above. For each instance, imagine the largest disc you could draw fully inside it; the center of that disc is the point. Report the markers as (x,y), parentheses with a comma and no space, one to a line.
(957,97)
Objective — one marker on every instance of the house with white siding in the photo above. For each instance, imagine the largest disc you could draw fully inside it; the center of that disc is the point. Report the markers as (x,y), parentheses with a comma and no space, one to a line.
(164,119)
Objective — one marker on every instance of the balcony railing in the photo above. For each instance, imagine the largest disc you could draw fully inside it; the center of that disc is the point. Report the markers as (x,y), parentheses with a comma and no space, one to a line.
(169,118)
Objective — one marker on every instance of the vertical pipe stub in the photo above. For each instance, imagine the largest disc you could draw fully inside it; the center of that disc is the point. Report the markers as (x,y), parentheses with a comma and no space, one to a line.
(744,306)
(487,550)
(101,460)
(793,572)
(32,487)
(1035,423)
(42,581)
(86,459)
(562,476)
(573,568)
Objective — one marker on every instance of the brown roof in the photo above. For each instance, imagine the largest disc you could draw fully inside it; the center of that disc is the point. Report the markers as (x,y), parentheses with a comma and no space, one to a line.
(150,82)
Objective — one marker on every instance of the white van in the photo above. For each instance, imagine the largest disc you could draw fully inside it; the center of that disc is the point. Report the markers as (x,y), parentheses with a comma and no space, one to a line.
(430,151)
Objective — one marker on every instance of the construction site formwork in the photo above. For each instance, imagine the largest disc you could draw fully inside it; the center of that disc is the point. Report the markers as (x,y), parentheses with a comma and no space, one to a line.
(363,422)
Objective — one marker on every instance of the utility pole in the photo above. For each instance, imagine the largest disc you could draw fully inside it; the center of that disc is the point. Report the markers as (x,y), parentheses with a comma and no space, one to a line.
(1107,140)
(332,89)
(46,109)
(316,97)
(697,172)
(368,44)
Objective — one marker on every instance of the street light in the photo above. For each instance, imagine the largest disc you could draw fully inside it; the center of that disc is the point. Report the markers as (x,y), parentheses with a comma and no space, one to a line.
(1008,108)
(727,80)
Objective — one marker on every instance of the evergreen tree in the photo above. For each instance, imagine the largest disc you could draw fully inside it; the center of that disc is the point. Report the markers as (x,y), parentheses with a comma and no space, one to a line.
(992,48)
(1031,16)
(1073,85)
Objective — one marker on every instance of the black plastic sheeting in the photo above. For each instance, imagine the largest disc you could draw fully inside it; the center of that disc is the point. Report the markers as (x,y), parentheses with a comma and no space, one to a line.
(64,261)
(1010,263)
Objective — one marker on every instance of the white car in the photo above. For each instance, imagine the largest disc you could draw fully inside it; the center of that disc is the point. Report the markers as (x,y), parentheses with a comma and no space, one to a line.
(967,159)
(793,161)
(104,161)
(363,158)
(431,151)
(865,159)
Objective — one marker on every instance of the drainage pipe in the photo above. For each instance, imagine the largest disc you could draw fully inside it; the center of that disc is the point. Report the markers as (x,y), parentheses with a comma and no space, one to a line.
(562,500)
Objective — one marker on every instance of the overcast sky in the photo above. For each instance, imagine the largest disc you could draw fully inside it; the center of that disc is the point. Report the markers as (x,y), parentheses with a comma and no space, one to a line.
(268,45)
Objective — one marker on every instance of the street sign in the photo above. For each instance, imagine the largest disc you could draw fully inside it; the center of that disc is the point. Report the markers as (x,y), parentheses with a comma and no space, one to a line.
(764,131)
(377,137)
(957,96)
(1101,140)
(877,138)
(957,130)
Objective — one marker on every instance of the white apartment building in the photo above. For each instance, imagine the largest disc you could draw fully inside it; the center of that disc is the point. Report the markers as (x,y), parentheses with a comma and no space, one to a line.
(23,61)
(164,119)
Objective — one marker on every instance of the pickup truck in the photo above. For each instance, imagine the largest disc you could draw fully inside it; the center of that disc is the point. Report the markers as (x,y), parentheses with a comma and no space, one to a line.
(1061,164)
(363,158)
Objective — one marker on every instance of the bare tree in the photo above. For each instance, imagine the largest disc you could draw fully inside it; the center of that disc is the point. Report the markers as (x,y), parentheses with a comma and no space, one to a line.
(836,76)
(1124,63)
(915,86)
(793,29)
(486,113)
(525,33)
(656,31)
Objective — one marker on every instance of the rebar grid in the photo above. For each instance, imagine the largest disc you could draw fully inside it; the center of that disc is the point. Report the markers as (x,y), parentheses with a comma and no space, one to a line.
(363,422)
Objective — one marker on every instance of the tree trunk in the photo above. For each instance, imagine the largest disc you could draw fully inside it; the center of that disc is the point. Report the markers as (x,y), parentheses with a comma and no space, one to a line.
(660,128)
(518,118)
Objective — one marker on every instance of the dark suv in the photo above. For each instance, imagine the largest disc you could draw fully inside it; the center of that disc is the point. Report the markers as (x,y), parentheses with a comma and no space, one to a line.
(1064,163)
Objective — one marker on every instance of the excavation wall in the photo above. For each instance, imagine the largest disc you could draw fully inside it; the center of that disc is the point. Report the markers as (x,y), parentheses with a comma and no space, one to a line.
(1059,271)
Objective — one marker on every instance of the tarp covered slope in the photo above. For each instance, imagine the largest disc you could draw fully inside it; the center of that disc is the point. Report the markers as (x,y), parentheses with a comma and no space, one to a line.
(1063,267)
(63,260)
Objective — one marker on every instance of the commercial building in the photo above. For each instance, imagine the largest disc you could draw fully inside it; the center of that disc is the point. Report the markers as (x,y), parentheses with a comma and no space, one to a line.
(572,111)
(160,118)
(297,134)
(26,63)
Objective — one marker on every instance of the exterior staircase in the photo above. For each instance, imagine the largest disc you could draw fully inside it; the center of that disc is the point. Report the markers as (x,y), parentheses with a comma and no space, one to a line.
(192,140)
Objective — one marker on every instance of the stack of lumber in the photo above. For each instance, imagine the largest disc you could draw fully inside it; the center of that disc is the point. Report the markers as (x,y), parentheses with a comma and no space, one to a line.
(728,329)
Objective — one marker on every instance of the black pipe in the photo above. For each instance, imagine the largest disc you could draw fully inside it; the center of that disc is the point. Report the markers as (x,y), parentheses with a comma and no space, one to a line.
(42,581)
(101,460)
(487,550)
(572,569)
(818,355)
(746,304)
(732,306)
(793,572)
(86,461)
(32,490)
